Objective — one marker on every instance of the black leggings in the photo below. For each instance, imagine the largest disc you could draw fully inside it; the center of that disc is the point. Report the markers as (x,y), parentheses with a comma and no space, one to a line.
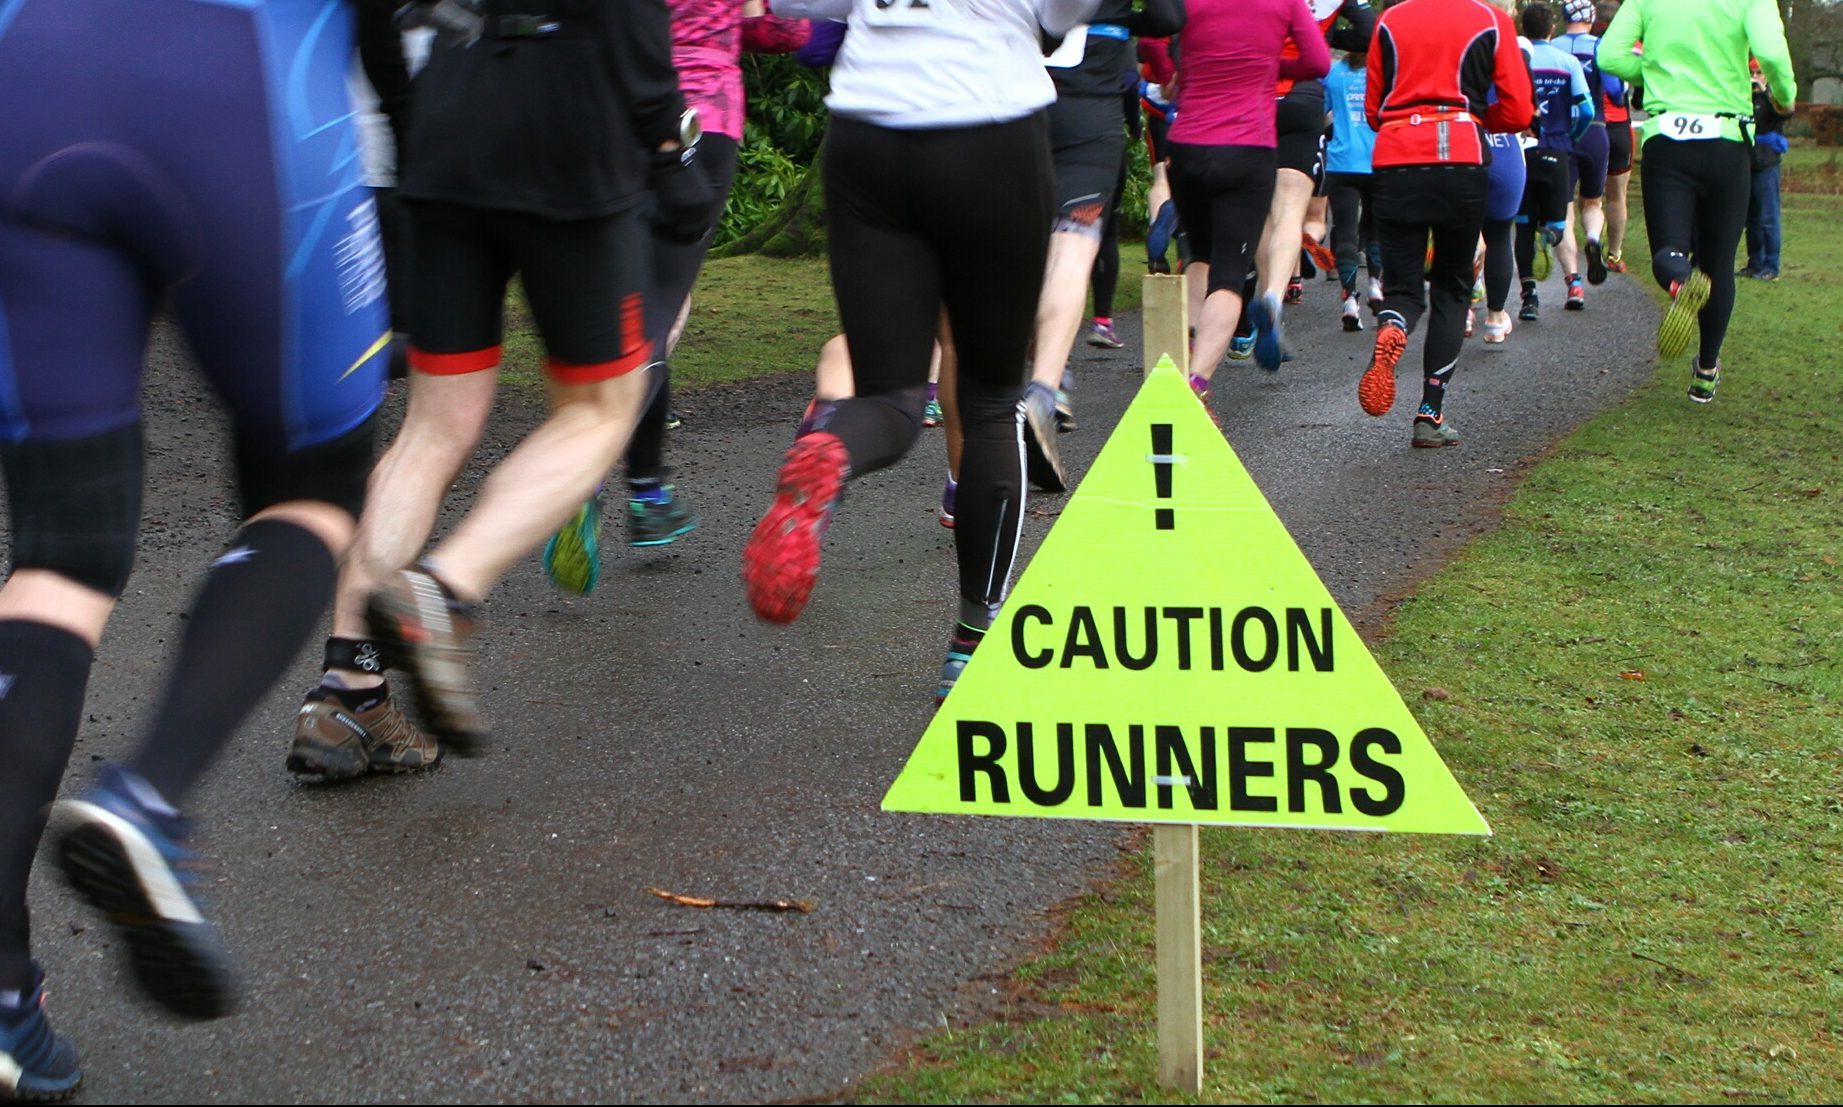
(1448,203)
(1500,261)
(914,226)
(1353,226)
(675,270)
(1695,211)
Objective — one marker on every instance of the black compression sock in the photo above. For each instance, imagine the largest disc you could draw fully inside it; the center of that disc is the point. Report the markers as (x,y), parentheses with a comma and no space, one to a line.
(43,671)
(260,601)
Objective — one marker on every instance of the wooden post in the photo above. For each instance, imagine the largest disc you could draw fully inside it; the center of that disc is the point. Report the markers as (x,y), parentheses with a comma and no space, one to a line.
(1165,324)
(1180,957)
(1165,321)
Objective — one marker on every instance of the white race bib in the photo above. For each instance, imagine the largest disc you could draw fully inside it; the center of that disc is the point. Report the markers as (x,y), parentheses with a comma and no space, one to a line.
(1686,126)
(912,13)
(1325,9)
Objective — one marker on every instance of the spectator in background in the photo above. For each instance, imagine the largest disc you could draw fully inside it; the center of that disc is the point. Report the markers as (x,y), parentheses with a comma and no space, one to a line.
(1769,148)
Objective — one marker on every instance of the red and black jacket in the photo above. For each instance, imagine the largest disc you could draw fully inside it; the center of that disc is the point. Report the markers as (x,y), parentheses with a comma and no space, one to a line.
(1432,68)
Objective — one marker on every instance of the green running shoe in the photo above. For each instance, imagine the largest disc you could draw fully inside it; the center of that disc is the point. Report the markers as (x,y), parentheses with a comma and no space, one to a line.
(1680,322)
(573,556)
(1702,383)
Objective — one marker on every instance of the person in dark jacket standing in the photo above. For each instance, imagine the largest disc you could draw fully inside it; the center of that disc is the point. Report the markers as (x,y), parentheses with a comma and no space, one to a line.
(1769,148)
(537,142)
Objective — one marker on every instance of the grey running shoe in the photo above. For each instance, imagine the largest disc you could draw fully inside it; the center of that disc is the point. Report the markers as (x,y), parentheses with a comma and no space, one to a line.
(1433,432)
(334,742)
(430,638)
(1042,462)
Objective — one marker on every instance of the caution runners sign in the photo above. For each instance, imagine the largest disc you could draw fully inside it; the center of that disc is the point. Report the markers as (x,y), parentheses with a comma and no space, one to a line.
(1169,655)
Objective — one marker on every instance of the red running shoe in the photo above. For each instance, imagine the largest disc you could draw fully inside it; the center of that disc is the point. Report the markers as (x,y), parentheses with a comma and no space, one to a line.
(780,564)
(1376,391)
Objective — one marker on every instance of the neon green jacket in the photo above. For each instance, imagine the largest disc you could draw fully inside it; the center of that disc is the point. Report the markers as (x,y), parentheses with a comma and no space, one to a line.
(1695,55)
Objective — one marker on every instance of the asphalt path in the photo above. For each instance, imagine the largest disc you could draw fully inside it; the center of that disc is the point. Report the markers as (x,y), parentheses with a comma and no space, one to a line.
(485,932)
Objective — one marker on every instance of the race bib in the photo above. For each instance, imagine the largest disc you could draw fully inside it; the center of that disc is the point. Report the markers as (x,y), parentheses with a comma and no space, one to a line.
(912,13)
(1325,9)
(1686,126)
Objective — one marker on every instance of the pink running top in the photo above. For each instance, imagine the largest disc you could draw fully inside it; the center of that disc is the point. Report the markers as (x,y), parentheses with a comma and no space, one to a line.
(708,37)
(1229,61)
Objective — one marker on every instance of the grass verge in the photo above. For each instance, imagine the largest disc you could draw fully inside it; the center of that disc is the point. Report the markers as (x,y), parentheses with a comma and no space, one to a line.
(751,318)
(1638,681)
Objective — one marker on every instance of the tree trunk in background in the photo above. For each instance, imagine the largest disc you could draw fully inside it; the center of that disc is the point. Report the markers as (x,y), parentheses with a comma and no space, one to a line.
(797,227)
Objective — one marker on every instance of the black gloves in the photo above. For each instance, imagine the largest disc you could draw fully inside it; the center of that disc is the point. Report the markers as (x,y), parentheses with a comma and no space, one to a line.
(681,195)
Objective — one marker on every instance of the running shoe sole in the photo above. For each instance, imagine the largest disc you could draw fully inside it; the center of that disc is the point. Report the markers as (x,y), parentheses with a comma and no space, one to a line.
(1376,389)
(176,955)
(1680,321)
(1042,459)
(1321,255)
(411,619)
(1269,343)
(780,563)
(573,556)
(1596,263)
(23,1087)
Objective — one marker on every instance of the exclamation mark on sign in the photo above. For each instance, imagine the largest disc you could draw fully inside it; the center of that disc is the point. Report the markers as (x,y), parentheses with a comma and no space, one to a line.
(1162,461)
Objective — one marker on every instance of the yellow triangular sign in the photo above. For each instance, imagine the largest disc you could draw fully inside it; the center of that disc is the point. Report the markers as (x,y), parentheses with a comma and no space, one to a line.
(1169,655)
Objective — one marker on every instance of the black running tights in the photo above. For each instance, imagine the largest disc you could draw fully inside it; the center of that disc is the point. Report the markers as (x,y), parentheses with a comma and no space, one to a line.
(1695,212)
(914,227)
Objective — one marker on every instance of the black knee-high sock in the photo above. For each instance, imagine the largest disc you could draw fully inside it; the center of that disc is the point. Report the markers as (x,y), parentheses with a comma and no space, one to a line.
(261,599)
(43,671)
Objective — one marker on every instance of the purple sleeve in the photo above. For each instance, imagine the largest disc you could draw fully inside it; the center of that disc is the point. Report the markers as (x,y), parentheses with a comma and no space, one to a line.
(822,46)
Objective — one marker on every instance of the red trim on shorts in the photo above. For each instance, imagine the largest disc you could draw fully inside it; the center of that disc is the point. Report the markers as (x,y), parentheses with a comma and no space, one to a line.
(453,365)
(633,340)
(565,373)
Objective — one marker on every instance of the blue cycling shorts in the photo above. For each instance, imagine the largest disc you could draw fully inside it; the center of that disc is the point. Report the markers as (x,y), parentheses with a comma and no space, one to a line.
(198,156)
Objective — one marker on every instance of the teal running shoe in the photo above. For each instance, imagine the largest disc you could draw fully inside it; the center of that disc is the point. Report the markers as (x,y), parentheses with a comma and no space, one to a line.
(659,522)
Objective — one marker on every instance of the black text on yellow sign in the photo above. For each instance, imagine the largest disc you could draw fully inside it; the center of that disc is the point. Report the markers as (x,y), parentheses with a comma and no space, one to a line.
(1169,655)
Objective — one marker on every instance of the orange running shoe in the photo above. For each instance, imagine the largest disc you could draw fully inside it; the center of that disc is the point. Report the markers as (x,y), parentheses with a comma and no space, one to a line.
(780,564)
(1376,391)
(1320,254)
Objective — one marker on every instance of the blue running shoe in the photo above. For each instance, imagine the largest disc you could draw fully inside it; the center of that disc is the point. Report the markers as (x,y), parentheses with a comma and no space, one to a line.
(37,1064)
(133,864)
(1269,340)
(573,556)
(1241,347)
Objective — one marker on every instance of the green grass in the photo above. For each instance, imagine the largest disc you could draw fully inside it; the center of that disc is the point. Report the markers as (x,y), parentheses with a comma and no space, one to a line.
(751,318)
(1641,686)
